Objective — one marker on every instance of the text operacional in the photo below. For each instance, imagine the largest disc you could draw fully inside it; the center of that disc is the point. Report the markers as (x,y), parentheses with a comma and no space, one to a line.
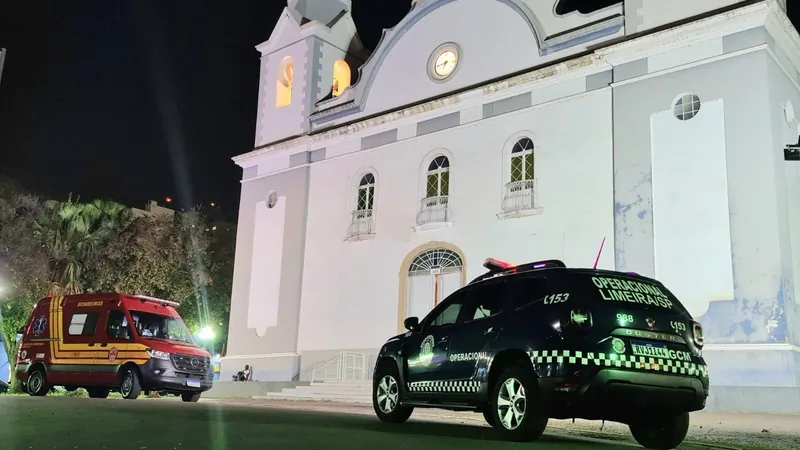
(616,289)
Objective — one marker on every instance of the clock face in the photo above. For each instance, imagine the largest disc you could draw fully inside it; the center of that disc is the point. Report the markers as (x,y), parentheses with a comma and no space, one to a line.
(445,63)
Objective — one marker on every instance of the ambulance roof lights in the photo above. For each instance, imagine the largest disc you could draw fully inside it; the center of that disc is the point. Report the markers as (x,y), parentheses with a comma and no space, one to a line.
(145,298)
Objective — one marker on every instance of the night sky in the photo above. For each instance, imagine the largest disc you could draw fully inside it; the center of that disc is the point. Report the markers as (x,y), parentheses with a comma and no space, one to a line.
(139,100)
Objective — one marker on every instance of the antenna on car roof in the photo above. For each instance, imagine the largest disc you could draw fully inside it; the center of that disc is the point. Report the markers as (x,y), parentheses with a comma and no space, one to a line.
(596,260)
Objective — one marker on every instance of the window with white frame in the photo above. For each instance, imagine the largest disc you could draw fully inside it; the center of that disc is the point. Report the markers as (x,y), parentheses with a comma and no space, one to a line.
(438,178)
(434,207)
(366,194)
(362,223)
(519,189)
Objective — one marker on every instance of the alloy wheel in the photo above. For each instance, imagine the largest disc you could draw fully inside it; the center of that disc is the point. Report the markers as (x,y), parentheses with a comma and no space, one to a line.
(387,394)
(511,404)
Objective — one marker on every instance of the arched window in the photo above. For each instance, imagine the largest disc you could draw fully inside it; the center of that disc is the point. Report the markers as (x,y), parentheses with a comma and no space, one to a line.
(366,195)
(283,93)
(341,77)
(521,184)
(522,160)
(438,179)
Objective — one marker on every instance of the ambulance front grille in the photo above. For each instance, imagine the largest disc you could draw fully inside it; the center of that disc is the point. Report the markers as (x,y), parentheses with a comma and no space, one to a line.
(190,363)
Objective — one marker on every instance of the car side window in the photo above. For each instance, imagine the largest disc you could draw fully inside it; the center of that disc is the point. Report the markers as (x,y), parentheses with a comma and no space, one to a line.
(448,314)
(483,301)
(83,324)
(117,327)
(523,292)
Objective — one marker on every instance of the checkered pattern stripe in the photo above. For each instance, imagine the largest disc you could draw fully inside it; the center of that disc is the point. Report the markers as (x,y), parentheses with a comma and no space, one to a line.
(444,386)
(615,360)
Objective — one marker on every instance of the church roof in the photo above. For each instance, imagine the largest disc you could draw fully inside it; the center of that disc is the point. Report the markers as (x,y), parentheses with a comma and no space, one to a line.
(326,12)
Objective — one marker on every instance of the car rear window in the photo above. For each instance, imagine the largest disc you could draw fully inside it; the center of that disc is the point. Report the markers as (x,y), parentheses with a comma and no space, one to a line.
(631,290)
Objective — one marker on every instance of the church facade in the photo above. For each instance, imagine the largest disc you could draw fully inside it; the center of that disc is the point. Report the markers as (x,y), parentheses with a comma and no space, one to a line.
(522,130)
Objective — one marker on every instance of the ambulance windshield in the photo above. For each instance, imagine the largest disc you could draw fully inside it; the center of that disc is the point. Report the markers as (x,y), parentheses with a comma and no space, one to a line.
(157,326)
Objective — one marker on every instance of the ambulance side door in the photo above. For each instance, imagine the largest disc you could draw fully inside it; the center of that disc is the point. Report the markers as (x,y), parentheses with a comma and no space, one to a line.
(77,351)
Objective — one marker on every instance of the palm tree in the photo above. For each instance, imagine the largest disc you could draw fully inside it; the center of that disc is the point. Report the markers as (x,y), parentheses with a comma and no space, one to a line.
(72,231)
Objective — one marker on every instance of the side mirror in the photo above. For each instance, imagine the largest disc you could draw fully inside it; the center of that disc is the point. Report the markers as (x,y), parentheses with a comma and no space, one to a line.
(411,323)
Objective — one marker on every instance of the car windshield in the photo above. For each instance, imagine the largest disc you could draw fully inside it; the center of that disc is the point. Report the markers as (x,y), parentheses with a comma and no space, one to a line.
(157,326)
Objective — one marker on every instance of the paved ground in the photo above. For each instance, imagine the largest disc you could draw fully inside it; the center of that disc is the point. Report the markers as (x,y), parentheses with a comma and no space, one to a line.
(79,423)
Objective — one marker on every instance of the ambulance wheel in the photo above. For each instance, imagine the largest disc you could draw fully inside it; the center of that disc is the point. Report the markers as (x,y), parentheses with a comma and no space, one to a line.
(386,395)
(37,383)
(96,392)
(130,387)
(661,432)
(517,410)
(191,397)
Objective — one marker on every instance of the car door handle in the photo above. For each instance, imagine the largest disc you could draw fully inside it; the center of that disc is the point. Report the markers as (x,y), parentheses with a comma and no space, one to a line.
(91,345)
(489,331)
(104,345)
(443,339)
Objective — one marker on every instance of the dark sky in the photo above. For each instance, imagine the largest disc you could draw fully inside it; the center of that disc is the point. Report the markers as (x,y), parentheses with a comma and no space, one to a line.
(139,99)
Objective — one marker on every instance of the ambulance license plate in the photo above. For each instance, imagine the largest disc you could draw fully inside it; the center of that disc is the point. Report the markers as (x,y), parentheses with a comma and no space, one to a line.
(647,349)
(193,383)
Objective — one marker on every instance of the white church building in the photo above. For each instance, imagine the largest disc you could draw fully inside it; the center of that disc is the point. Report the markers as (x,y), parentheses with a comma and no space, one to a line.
(522,130)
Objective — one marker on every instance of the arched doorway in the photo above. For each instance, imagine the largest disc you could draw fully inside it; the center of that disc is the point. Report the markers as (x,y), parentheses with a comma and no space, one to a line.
(432,275)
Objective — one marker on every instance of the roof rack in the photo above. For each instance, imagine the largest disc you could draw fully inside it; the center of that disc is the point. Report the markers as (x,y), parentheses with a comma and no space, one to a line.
(145,298)
(497,267)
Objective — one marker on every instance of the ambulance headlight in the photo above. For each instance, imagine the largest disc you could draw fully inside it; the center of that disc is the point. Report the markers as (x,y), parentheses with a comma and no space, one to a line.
(157,354)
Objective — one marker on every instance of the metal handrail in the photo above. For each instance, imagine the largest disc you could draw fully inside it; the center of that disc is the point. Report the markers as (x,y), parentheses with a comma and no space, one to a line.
(347,366)
(362,224)
(434,210)
(519,196)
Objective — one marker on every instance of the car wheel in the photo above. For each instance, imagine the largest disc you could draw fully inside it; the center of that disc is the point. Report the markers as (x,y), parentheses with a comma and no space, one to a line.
(661,432)
(517,410)
(191,397)
(386,396)
(130,387)
(37,383)
(96,392)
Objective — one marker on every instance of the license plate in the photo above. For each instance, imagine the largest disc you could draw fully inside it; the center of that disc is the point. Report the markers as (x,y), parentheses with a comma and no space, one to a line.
(647,349)
(193,383)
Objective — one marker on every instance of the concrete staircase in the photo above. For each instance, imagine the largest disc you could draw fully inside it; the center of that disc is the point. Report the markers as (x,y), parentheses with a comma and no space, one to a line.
(336,391)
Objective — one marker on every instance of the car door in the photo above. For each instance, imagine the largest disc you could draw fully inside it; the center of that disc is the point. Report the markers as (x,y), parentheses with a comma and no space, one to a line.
(473,339)
(116,341)
(427,350)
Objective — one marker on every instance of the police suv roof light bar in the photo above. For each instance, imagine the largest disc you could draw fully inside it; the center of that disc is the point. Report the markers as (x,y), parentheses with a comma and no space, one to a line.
(497,267)
(145,298)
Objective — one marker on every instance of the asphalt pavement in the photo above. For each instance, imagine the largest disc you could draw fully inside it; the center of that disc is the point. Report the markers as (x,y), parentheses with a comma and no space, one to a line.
(159,424)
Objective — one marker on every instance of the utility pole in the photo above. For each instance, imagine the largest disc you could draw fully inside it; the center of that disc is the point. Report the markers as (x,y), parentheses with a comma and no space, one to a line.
(2,61)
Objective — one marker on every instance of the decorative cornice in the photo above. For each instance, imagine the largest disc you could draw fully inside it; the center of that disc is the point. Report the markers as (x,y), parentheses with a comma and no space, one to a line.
(549,74)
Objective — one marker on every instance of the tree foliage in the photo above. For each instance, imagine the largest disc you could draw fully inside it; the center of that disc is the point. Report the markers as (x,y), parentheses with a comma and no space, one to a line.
(23,261)
(72,232)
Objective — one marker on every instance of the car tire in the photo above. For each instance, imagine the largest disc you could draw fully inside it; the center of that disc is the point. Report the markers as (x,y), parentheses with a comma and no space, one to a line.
(97,392)
(386,396)
(130,387)
(37,383)
(191,397)
(489,416)
(516,406)
(661,432)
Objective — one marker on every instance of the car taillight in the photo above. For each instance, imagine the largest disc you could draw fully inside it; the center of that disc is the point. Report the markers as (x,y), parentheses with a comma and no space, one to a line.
(577,318)
(697,334)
